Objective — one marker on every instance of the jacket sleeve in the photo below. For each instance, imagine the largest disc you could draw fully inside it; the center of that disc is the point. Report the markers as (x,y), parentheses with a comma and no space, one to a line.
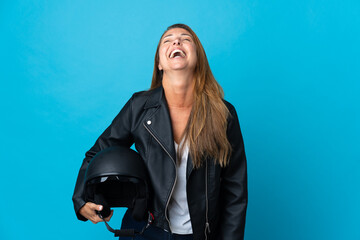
(118,133)
(233,189)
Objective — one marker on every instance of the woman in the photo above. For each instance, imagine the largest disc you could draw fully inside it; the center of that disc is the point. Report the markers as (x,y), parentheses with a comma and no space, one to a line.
(190,140)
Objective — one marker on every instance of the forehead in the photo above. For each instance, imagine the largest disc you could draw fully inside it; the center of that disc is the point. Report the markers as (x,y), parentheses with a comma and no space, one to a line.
(176,31)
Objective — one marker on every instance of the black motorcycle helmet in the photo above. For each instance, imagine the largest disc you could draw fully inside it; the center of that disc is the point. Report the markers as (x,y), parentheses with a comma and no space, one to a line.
(117,177)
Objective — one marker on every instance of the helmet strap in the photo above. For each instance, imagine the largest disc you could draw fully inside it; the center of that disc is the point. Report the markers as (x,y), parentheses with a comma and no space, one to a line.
(128,232)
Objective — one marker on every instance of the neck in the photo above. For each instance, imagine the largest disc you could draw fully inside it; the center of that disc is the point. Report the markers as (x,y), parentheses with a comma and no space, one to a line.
(179,89)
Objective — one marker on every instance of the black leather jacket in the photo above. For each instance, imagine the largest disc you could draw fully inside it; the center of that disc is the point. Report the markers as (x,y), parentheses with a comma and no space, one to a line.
(217,197)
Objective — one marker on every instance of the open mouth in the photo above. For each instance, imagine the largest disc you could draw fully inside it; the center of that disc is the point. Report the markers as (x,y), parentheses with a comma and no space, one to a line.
(177,53)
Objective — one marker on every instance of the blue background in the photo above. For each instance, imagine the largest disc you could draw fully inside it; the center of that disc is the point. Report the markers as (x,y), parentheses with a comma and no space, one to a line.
(291,68)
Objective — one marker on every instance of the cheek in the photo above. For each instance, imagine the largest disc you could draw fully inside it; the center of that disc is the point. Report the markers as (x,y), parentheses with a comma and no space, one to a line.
(162,55)
(193,53)
(192,48)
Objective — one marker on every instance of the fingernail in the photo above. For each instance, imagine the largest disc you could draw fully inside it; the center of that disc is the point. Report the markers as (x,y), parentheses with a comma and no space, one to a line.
(100,208)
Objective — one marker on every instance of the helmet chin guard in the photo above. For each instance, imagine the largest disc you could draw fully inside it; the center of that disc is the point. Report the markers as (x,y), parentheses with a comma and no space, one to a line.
(117,177)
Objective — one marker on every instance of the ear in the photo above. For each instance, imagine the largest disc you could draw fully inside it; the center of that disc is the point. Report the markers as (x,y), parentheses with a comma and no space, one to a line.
(160,67)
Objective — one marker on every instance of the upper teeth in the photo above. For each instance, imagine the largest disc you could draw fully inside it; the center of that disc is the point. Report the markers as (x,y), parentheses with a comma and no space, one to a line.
(176,51)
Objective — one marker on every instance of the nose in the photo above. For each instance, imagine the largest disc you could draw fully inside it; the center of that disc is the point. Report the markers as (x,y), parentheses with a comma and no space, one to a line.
(176,42)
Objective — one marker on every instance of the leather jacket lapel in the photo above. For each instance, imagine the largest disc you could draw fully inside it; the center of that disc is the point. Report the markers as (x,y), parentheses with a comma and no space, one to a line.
(189,167)
(159,123)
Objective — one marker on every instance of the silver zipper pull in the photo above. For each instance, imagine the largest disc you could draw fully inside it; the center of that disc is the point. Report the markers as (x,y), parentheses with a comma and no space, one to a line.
(207,226)
(207,229)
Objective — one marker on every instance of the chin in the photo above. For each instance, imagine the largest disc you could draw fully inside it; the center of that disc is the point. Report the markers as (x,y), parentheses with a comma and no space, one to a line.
(179,67)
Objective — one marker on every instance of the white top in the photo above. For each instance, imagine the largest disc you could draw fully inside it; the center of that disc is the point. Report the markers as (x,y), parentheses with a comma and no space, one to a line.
(178,208)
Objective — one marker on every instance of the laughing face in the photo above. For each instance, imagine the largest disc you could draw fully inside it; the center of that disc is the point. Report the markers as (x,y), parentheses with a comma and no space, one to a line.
(177,51)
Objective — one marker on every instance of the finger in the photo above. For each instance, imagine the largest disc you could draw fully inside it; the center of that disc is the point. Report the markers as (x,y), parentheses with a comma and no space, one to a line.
(108,218)
(95,219)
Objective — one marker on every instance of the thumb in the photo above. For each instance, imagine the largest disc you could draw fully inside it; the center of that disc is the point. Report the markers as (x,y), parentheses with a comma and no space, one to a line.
(96,207)
(99,207)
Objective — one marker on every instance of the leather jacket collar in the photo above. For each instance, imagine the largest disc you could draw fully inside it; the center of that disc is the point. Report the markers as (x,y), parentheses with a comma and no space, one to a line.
(161,124)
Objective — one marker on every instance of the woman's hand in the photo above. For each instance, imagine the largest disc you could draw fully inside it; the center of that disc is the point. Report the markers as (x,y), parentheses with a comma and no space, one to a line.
(89,212)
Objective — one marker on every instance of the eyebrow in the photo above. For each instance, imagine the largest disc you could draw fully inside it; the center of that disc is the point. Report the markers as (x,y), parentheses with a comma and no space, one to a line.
(183,34)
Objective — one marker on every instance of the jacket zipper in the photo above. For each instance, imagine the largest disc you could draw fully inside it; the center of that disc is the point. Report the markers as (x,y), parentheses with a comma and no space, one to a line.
(173,187)
(207,225)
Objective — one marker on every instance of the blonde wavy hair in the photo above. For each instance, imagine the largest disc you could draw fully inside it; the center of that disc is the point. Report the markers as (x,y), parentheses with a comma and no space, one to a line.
(206,128)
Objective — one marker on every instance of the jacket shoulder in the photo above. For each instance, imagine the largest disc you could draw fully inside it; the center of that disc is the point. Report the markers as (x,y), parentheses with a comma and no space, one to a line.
(148,98)
(231,108)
